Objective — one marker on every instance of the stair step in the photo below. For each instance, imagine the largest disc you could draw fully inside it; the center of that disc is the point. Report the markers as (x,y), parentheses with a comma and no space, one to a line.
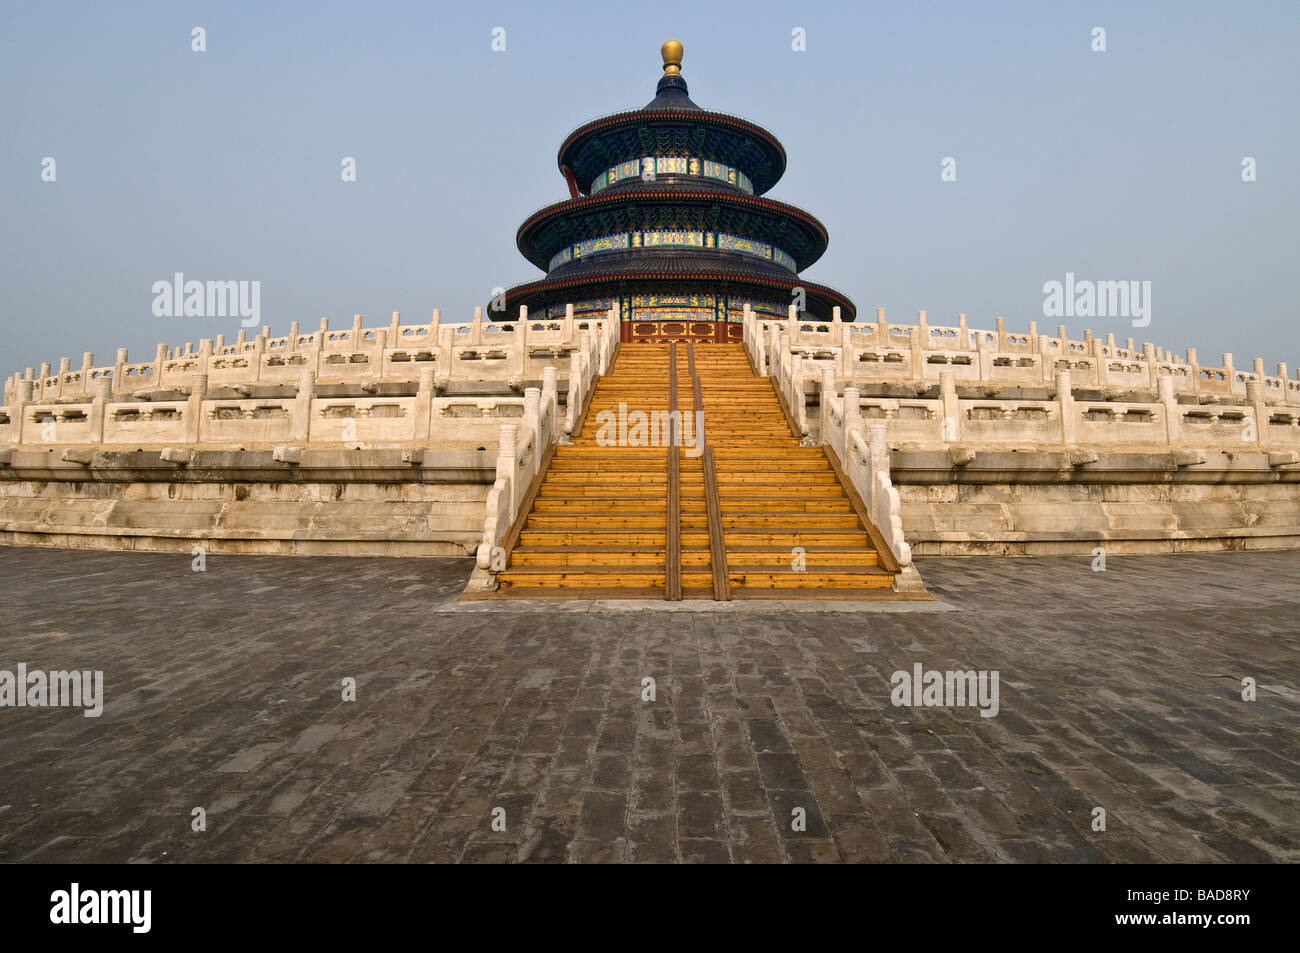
(633,539)
(793,521)
(773,577)
(757,561)
(744,537)
(581,521)
(766,496)
(604,506)
(590,476)
(596,577)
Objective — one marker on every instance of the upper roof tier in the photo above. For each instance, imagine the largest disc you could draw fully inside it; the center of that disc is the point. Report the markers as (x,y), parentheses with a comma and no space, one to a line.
(611,152)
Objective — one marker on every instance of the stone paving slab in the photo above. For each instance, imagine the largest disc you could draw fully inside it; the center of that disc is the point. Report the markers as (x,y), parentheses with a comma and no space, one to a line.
(1120,690)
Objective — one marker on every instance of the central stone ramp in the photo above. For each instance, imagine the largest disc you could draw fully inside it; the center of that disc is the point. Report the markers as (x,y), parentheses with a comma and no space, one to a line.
(599,527)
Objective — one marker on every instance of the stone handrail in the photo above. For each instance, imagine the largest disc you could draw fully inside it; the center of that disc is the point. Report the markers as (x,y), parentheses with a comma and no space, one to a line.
(865,464)
(864,353)
(479,350)
(1163,423)
(521,449)
(1164,410)
(200,418)
(202,422)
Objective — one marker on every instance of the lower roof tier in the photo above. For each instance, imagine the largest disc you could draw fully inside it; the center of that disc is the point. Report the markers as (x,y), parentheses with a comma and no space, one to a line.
(725,282)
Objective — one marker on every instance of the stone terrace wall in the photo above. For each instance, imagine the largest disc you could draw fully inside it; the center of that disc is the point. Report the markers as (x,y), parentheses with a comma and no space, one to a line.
(362,442)
(358,503)
(993,441)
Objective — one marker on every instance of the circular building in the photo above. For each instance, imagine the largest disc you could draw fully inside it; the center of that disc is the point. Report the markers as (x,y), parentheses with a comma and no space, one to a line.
(666,218)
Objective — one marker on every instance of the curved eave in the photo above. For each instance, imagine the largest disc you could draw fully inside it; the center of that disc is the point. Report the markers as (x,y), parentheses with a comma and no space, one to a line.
(541,257)
(638,117)
(546,286)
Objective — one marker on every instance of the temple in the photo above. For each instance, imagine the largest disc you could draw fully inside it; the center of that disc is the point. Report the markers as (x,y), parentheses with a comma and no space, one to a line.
(666,220)
(824,451)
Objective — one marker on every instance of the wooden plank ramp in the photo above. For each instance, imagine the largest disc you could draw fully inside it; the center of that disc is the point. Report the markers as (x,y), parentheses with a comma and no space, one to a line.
(717,541)
(673,536)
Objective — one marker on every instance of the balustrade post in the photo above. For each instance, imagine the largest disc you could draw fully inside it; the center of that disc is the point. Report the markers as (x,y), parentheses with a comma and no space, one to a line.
(1255,397)
(984,350)
(194,408)
(551,390)
(878,462)
(951,425)
(302,405)
(1169,407)
(918,340)
(533,421)
(574,401)
(425,393)
(852,425)
(1065,406)
(507,469)
(119,371)
(1099,351)
(102,392)
(824,402)
(19,420)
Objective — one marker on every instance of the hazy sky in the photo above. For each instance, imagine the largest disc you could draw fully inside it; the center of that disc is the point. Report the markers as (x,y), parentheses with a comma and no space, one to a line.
(225,164)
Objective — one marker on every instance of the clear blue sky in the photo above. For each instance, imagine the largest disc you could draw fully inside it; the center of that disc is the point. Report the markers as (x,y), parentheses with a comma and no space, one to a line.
(225,164)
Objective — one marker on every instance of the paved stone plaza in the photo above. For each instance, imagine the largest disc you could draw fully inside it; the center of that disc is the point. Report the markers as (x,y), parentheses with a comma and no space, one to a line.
(1119,690)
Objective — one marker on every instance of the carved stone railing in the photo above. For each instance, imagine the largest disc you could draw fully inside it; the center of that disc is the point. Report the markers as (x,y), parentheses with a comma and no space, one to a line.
(479,350)
(865,353)
(864,461)
(201,421)
(1258,415)
(521,450)
(1165,422)
(187,412)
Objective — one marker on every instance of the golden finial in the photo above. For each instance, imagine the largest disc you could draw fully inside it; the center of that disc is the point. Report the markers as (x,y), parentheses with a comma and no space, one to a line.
(672,54)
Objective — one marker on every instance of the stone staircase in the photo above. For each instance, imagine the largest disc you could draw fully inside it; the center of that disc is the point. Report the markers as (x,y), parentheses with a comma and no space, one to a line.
(777,495)
(599,526)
